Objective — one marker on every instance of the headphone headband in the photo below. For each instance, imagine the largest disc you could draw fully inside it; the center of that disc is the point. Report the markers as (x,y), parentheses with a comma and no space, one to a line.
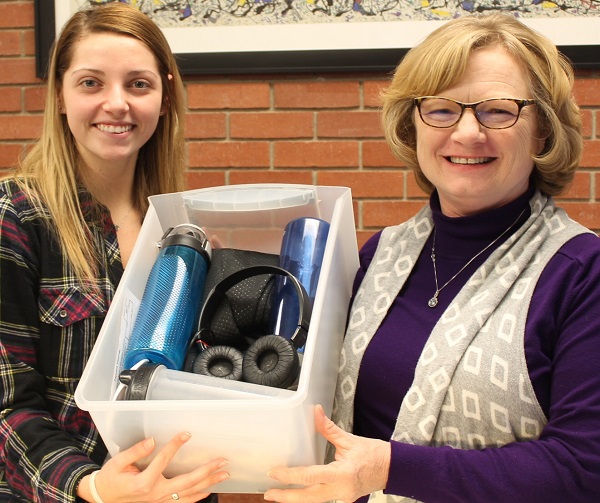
(217,294)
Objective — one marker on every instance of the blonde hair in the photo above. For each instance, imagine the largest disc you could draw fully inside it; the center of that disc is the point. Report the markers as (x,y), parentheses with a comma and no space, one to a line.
(440,61)
(51,172)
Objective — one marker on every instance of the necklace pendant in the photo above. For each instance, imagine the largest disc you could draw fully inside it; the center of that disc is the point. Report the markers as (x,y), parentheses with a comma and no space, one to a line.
(433,301)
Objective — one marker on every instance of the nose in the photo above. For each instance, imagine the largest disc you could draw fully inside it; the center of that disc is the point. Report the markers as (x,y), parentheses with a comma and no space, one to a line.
(116,101)
(468,128)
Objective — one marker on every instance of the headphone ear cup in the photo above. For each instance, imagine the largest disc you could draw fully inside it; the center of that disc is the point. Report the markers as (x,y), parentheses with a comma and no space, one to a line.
(190,359)
(271,361)
(219,361)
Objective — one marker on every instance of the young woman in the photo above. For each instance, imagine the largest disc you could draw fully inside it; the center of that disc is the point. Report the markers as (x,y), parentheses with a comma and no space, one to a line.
(69,217)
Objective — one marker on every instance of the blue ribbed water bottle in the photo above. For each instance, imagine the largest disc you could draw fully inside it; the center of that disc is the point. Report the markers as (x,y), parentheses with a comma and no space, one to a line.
(170,307)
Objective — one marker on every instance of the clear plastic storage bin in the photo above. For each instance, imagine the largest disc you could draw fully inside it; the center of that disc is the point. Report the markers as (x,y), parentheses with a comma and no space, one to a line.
(255,427)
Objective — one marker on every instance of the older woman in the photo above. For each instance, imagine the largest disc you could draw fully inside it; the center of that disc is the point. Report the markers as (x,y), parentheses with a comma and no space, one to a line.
(469,371)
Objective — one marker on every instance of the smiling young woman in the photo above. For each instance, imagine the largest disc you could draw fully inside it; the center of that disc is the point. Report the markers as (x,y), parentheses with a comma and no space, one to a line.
(69,217)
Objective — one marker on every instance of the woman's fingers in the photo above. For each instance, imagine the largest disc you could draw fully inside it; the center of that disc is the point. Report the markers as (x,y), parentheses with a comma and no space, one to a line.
(164,456)
(361,467)
(150,484)
(319,493)
(203,477)
(136,452)
(329,430)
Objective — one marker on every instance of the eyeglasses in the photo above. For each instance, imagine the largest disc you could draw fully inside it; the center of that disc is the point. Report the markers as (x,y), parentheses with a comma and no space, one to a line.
(493,113)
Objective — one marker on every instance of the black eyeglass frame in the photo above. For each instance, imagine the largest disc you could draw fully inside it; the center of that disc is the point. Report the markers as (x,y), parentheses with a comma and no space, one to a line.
(473,106)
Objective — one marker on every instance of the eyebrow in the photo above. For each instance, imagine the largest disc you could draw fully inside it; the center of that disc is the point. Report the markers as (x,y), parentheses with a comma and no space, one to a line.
(132,73)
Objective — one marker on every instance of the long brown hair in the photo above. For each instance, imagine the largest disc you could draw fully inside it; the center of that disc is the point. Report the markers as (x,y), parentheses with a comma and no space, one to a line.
(51,172)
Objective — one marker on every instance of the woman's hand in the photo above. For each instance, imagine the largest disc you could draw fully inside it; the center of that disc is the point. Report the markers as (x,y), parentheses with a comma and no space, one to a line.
(120,480)
(361,467)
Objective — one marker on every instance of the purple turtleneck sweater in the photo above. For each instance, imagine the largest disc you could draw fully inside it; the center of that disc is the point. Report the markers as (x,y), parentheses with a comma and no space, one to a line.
(562,348)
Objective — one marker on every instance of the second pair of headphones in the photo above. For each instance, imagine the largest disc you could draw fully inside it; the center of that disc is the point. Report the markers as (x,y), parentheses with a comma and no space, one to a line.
(271,360)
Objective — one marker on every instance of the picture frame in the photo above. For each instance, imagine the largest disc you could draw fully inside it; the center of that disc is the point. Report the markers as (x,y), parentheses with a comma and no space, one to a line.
(374,46)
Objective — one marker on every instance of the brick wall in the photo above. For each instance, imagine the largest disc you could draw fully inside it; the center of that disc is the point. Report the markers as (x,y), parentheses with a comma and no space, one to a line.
(303,128)
(316,129)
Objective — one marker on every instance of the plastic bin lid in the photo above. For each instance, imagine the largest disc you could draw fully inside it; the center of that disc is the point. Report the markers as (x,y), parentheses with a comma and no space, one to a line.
(249,197)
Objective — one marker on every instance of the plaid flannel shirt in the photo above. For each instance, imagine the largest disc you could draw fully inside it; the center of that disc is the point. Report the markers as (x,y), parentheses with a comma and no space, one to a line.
(48,327)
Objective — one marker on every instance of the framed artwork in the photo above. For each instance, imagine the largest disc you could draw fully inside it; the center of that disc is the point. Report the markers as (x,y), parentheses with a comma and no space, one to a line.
(276,36)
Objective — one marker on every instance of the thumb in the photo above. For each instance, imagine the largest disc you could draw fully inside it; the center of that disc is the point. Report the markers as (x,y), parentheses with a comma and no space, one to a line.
(327,428)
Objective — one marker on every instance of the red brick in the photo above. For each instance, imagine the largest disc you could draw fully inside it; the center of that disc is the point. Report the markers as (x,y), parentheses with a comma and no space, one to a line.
(10,43)
(363,236)
(372,92)
(377,154)
(366,184)
(16,14)
(321,154)
(18,127)
(587,117)
(35,98)
(413,191)
(29,42)
(10,154)
(241,95)
(380,214)
(335,178)
(591,154)
(228,154)
(203,179)
(587,214)
(18,71)
(10,99)
(580,188)
(205,125)
(271,125)
(349,125)
(316,94)
(270,176)
(587,92)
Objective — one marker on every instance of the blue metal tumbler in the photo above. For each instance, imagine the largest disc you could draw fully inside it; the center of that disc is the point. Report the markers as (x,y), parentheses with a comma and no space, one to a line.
(302,249)
(169,311)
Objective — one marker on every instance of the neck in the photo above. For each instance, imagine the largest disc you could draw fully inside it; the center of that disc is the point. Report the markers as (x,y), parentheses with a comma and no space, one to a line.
(112,187)
(458,235)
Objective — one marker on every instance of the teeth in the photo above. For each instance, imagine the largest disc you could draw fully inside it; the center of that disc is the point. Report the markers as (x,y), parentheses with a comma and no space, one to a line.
(470,160)
(114,129)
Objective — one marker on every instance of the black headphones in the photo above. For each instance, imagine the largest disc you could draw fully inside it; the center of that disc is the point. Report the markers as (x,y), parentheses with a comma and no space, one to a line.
(272,360)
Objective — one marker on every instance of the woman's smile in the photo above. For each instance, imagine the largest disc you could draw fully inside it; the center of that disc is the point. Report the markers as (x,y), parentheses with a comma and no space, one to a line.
(476,168)
(470,160)
(104,92)
(115,129)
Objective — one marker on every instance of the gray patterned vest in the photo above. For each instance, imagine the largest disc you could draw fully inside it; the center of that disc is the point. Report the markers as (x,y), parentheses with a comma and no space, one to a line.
(471,387)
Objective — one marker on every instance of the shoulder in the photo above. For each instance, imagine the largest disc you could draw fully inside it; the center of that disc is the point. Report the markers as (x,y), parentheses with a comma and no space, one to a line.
(22,224)
(368,250)
(572,276)
(581,249)
(580,254)
(16,203)
(10,189)
(13,196)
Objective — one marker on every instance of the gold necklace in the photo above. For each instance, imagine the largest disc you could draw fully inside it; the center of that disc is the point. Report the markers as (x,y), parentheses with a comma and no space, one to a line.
(120,225)
(434,300)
